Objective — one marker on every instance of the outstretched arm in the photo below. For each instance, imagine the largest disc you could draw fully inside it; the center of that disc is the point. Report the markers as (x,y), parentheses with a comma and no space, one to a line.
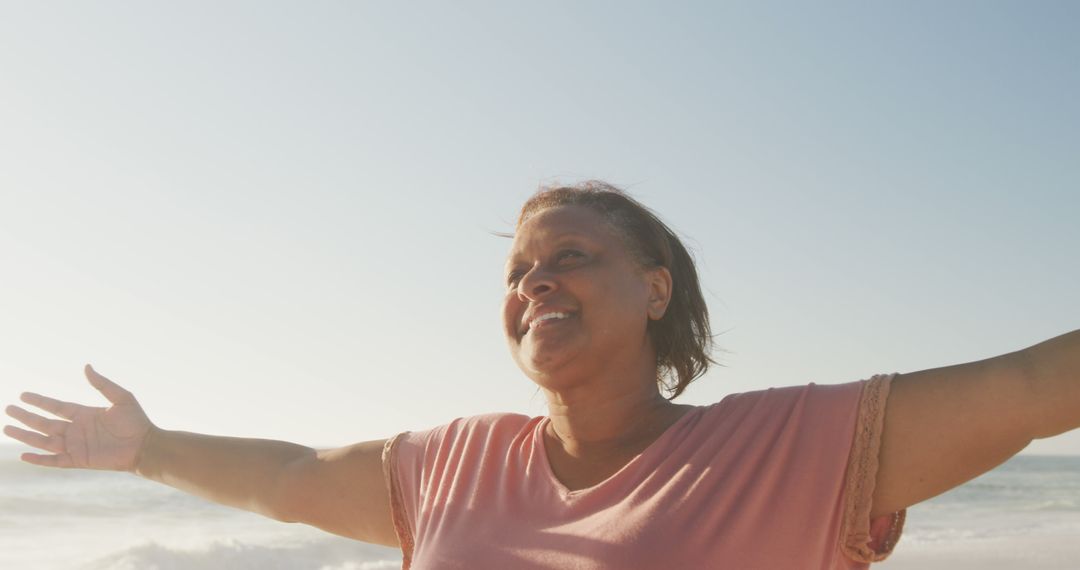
(946,426)
(338,490)
(341,491)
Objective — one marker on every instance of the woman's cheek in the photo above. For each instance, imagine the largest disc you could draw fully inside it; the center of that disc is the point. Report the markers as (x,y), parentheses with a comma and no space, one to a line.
(511,316)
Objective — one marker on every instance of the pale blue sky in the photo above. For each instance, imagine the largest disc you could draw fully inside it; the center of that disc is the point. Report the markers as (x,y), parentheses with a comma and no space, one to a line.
(274,219)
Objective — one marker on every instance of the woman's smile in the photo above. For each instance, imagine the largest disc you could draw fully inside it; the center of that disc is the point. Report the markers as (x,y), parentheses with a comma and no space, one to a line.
(547,319)
(551,323)
(541,316)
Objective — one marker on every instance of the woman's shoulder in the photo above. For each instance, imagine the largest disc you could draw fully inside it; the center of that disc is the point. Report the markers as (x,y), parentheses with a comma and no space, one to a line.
(781,404)
(492,421)
(474,427)
(793,392)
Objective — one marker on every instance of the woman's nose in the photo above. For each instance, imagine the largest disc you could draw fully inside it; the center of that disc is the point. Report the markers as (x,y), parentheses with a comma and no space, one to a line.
(536,284)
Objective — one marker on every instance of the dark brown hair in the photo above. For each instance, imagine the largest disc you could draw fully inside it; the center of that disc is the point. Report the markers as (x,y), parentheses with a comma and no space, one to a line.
(682,337)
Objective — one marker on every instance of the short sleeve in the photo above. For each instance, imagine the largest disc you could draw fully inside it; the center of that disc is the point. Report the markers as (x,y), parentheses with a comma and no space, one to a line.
(398,513)
(863,539)
(406,469)
(425,470)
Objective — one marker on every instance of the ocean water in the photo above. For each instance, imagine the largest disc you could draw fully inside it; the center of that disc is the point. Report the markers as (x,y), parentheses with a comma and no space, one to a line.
(1024,514)
(52,519)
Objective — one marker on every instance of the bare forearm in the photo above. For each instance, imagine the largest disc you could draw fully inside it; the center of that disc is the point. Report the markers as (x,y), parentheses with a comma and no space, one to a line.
(237,472)
(1054,372)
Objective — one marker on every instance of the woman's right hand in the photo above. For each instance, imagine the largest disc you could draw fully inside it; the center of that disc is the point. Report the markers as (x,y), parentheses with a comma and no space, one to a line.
(87,437)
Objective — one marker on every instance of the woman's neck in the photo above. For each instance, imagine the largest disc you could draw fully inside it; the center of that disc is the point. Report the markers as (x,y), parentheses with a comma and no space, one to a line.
(592,421)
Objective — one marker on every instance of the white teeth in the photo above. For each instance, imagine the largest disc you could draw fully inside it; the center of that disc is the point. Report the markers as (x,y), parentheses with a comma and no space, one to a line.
(549,316)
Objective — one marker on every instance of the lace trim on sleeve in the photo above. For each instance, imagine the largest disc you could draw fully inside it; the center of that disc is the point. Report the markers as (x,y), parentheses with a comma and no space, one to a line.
(397,510)
(861,539)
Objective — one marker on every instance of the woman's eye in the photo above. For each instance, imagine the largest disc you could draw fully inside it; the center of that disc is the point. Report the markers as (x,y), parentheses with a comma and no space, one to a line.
(568,254)
(515,276)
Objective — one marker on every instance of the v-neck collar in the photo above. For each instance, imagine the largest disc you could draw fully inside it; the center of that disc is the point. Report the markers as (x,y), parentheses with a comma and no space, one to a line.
(565,491)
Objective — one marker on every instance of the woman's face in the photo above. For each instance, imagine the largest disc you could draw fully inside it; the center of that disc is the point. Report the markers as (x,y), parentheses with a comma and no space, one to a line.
(577,301)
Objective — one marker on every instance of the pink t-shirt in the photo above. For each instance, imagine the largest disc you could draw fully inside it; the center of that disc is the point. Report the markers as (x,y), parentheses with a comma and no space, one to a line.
(772,479)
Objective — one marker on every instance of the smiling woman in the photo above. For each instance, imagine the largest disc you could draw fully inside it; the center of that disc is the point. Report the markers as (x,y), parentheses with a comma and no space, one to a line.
(603,311)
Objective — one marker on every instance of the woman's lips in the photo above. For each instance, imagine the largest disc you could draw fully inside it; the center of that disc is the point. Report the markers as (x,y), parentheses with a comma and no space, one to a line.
(538,325)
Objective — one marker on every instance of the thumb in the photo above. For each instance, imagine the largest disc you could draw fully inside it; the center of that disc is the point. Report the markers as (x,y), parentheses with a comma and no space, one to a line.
(112,391)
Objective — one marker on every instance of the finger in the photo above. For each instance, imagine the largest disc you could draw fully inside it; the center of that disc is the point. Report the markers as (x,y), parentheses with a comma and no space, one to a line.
(61,460)
(35,439)
(34,421)
(112,391)
(66,410)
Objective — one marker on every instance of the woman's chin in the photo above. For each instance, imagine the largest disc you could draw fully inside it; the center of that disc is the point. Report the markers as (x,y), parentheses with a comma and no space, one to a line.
(543,365)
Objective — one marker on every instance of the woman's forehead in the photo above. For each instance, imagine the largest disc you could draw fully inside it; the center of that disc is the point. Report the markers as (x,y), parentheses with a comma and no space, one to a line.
(557,224)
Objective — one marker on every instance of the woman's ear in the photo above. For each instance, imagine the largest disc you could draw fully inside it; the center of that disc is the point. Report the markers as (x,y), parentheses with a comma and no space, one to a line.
(659,279)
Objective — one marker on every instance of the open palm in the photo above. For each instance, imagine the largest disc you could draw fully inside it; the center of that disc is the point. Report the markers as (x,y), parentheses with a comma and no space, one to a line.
(87,437)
